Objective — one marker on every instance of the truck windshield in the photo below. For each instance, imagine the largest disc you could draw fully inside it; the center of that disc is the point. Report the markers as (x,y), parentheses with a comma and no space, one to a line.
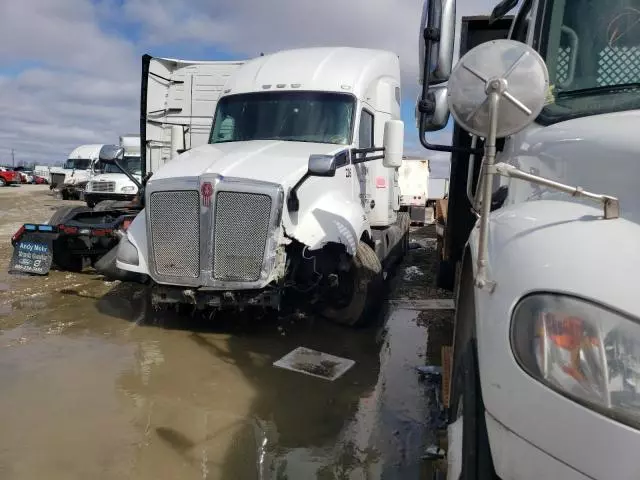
(592,50)
(77,164)
(132,164)
(295,116)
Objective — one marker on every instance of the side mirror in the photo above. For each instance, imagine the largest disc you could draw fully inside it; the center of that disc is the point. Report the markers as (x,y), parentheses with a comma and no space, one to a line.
(393,143)
(438,119)
(110,154)
(322,165)
(437,33)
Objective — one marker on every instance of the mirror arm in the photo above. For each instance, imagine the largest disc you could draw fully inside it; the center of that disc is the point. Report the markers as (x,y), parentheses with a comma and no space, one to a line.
(355,159)
(293,203)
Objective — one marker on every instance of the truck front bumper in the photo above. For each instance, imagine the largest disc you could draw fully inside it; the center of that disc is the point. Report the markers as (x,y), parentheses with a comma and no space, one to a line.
(203,298)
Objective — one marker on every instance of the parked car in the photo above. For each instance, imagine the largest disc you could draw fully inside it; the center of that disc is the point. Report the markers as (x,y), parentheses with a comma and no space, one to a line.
(8,177)
(39,180)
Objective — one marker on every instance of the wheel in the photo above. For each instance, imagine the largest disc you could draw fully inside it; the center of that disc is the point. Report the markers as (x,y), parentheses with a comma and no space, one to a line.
(3,182)
(359,289)
(91,203)
(64,194)
(470,447)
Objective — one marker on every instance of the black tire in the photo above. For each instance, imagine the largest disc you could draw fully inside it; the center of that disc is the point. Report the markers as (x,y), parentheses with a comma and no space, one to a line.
(367,283)
(64,194)
(3,182)
(466,397)
(90,203)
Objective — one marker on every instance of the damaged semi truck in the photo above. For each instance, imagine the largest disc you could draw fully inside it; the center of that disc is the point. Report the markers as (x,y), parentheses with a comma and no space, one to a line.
(290,188)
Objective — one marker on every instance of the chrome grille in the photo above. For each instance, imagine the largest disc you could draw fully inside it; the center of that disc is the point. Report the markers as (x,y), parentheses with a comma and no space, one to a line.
(105,187)
(241,227)
(175,232)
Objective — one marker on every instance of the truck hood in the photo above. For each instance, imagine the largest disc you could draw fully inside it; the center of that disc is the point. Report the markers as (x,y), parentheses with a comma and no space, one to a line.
(282,162)
(600,153)
(114,177)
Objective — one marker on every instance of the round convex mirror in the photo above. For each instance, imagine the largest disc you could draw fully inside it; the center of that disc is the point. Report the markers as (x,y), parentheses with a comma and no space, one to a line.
(512,69)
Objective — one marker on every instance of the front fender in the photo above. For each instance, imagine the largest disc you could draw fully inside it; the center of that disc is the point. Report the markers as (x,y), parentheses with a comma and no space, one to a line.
(137,235)
(567,248)
(332,217)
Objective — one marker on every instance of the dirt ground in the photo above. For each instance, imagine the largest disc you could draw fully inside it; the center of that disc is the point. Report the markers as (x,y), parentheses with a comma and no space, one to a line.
(93,384)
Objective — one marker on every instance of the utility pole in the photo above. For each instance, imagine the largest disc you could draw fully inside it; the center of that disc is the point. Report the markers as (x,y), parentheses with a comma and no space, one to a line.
(13,158)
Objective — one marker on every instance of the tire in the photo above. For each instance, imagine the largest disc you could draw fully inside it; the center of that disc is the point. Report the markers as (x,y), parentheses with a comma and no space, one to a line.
(466,399)
(367,282)
(3,182)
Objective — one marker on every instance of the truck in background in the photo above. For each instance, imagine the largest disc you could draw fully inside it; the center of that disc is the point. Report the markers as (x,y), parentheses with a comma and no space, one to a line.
(288,186)
(73,177)
(438,190)
(113,185)
(413,179)
(544,380)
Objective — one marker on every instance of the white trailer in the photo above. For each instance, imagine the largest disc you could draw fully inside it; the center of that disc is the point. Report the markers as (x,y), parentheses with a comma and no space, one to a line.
(283,180)
(414,188)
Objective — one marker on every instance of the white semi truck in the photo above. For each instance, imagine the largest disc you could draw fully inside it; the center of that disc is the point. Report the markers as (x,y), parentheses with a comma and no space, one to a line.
(113,185)
(285,183)
(81,165)
(546,348)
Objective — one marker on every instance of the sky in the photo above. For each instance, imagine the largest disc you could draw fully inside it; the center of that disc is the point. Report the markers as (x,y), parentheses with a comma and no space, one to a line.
(70,69)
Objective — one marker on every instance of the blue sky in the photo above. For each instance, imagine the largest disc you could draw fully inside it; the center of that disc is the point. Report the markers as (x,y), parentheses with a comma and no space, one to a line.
(69,69)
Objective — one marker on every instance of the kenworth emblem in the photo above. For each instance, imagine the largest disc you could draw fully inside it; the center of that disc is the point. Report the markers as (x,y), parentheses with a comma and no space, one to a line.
(206,190)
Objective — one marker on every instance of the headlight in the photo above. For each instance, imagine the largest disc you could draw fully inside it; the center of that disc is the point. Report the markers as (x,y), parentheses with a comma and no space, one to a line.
(129,189)
(89,187)
(582,350)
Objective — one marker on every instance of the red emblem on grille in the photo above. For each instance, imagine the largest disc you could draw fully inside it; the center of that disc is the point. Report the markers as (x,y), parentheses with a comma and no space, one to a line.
(206,190)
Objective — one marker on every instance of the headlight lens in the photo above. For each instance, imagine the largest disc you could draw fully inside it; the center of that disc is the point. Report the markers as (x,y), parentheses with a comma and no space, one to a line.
(582,350)
(128,189)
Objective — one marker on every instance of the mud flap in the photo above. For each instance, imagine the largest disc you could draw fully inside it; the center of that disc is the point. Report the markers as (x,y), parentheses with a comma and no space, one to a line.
(106,266)
(32,254)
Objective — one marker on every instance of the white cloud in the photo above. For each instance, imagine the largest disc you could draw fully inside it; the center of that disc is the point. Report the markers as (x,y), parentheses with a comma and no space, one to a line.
(68,78)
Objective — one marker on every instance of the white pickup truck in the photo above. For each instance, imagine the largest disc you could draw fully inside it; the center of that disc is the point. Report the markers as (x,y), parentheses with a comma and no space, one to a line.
(289,190)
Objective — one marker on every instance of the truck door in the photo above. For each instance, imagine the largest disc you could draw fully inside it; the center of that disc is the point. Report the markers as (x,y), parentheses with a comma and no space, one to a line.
(177,103)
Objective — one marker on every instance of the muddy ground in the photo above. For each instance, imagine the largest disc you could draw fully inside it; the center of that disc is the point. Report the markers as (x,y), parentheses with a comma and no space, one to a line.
(94,385)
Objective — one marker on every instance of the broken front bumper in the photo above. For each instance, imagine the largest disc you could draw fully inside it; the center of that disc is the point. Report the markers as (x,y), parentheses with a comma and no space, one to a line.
(203,298)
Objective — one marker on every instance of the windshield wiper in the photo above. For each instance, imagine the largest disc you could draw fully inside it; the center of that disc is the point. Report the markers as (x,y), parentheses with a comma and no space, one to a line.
(598,90)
